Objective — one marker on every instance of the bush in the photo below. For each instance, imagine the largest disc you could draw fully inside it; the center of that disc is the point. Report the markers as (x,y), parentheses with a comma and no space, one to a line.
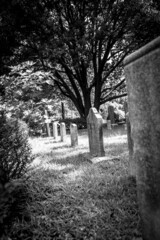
(13,200)
(15,155)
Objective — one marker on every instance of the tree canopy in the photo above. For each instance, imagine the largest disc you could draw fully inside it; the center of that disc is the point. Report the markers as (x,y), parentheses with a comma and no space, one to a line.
(80,44)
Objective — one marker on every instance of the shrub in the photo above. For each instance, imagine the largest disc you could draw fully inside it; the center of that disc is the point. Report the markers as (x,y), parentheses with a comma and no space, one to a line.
(13,199)
(15,155)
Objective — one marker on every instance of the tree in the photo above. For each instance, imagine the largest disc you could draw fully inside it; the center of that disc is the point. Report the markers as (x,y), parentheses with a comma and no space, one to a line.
(81,44)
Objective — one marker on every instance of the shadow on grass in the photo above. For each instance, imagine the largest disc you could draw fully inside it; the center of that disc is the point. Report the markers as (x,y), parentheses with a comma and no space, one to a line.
(115,149)
(76,160)
(71,198)
(100,206)
(61,157)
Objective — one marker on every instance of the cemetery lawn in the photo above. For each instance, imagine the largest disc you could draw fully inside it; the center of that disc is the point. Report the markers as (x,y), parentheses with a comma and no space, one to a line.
(72,198)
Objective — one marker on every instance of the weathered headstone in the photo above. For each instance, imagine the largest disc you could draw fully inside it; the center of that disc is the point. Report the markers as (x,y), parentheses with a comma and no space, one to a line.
(74,135)
(104,113)
(142,71)
(63,131)
(48,121)
(109,126)
(132,163)
(111,114)
(55,130)
(95,133)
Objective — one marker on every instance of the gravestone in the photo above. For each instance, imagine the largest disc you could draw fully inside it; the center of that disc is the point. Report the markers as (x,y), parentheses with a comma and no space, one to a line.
(95,133)
(74,135)
(109,126)
(63,131)
(132,164)
(111,114)
(47,122)
(55,130)
(142,71)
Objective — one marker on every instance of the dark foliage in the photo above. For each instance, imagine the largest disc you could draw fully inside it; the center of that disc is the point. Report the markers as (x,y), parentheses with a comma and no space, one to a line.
(15,156)
(12,205)
(14,149)
(81,123)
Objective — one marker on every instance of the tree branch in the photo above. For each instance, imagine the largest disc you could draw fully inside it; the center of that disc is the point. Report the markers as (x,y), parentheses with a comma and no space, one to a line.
(115,87)
(112,98)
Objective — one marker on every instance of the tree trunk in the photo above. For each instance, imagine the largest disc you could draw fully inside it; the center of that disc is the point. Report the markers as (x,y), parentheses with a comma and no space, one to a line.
(63,110)
(97,93)
(87,103)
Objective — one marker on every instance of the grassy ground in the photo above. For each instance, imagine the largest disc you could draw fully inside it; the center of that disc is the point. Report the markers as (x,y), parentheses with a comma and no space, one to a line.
(72,198)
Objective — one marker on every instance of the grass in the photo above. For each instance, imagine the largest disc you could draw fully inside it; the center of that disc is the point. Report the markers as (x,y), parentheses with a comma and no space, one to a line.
(72,198)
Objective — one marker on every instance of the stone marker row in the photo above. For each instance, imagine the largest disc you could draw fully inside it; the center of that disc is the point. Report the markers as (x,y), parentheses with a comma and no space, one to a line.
(73,131)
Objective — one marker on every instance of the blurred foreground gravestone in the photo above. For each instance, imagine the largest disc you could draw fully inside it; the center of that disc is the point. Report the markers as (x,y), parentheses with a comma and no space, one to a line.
(74,135)
(132,163)
(95,133)
(142,71)
(63,131)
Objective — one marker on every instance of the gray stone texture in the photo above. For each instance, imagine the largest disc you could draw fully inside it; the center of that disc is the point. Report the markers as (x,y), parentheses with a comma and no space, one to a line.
(142,71)
(74,134)
(132,163)
(63,131)
(55,130)
(95,133)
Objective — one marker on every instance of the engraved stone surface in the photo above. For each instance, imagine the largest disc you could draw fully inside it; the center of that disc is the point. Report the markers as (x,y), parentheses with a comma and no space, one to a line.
(142,71)
(95,133)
